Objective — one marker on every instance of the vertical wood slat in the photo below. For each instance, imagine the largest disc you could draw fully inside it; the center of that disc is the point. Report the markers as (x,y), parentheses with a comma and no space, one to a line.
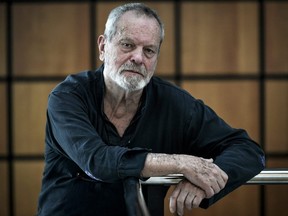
(276,116)
(3,57)
(28,175)
(30,103)
(277,34)
(50,39)
(3,120)
(219,38)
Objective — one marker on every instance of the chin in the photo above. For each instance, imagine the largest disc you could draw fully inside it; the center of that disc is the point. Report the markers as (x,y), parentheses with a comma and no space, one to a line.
(137,87)
(133,85)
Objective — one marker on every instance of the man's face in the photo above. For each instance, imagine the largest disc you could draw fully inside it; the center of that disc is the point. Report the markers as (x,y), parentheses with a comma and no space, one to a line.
(131,56)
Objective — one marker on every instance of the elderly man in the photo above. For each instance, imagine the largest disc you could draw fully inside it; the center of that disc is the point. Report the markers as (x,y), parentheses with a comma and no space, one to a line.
(119,122)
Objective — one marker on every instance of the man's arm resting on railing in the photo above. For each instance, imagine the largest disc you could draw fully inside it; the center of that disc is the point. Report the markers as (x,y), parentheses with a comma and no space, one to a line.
(240,162)
(199,171)
(205,177)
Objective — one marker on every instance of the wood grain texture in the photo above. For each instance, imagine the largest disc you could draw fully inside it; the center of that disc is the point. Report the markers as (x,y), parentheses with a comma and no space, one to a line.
(3,32)
(276,116)
(219,38)
(29,116)
(50,39)
(276,37)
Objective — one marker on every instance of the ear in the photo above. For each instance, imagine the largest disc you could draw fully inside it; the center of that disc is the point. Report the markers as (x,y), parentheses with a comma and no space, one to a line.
(101,46)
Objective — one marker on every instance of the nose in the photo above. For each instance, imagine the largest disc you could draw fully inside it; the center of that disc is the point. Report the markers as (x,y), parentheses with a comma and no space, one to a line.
(137,56)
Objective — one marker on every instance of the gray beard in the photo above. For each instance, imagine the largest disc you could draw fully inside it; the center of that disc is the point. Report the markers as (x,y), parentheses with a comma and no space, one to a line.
(131,83)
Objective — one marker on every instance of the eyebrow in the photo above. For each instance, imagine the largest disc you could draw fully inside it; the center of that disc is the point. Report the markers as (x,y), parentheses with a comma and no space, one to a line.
(126,39)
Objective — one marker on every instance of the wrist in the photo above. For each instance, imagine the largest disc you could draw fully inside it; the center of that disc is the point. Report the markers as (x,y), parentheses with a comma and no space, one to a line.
(179,166)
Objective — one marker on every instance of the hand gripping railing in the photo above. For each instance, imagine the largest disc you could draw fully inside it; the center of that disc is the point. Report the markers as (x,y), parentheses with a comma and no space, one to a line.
(266,177)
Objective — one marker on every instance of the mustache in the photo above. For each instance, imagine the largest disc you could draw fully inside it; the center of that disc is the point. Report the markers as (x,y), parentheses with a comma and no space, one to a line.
(133,67)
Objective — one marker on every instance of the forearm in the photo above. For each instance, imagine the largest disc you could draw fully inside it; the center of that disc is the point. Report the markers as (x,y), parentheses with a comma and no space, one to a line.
(199,171)
(157,164)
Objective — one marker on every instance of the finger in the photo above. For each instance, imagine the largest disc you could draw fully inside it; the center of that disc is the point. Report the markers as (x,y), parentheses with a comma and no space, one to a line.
(196,201)
(222,180)
(173,200)
(224,176)
(181,202)
(221,184)
(209,191)
(216,187)
(189,201)
(218,179)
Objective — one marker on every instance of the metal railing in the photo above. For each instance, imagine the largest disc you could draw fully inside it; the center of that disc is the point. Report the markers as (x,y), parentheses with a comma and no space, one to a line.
(266,177)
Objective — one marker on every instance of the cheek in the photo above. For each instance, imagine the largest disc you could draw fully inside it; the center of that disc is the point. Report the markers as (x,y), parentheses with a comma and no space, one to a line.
(109,58)
(113,58)
(152,66)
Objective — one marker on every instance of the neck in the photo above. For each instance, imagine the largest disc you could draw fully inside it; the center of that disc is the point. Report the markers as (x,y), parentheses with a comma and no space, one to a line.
(122,97)
(120,107)
(119,102)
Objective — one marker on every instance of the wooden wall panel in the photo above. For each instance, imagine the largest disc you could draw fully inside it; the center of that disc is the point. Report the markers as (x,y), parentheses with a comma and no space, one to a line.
(219,38)
(166,63)
(235,101)
(50,39)
(28,175)
(276,37)
(3,120)
(276,200)
(53,39)
(2,40)
(276,116)
(276,195)
(242,201)
(4,185)
(30,103)
(277,163)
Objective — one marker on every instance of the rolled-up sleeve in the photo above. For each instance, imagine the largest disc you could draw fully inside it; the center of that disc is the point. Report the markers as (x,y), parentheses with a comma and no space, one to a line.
(72,134)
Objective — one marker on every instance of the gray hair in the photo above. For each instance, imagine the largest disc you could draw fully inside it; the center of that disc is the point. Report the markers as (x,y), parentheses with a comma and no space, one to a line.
(139,8)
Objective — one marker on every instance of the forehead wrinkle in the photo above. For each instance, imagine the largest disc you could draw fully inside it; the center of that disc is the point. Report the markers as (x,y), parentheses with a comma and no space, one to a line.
(144,26)
(149,38)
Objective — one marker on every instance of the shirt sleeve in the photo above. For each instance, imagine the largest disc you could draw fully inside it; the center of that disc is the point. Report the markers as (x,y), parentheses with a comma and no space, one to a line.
(232,149)
(76,138)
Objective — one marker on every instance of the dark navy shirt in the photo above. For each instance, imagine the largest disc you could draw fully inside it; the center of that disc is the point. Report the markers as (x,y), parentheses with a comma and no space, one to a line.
(86,161)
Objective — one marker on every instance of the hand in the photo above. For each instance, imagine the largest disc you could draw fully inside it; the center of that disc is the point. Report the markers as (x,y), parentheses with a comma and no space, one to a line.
(185,195)
(203,173)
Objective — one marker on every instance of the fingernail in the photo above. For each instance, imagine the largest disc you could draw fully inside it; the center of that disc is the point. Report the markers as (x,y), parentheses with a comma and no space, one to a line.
(170,207)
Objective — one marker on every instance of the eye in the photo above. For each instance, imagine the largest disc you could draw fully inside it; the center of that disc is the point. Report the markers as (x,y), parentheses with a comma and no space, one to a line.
(126,45)
(150,52)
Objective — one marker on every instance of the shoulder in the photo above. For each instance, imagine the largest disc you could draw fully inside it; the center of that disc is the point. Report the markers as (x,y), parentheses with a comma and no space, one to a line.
(168,96)
(173,101)
(167,90)
(80,81)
